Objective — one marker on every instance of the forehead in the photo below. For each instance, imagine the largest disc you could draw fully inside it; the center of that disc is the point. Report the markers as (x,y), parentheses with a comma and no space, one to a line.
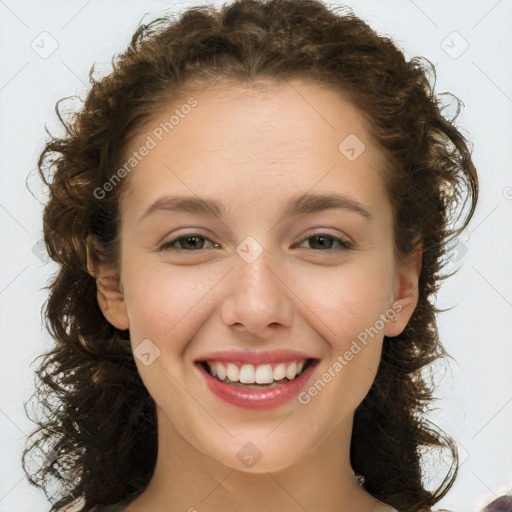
(247,141)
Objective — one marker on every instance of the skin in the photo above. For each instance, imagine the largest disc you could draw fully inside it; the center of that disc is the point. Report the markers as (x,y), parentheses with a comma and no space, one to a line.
(252,149)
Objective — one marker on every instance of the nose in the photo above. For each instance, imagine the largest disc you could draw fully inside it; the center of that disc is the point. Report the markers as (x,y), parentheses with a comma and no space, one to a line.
(257,298)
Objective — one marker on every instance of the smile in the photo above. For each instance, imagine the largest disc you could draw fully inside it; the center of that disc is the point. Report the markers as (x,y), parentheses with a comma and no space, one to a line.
(267,373)
(262,386)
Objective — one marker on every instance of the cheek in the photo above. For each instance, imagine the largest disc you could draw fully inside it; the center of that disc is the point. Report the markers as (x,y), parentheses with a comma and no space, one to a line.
(347,299)
(162,301)
(349,306)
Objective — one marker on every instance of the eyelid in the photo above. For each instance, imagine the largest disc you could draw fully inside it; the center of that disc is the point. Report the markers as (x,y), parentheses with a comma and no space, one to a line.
(344,241)
(166,244)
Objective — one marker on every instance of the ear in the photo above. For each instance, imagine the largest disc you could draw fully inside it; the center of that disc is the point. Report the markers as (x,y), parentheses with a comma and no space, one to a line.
(405,290)
(109,290)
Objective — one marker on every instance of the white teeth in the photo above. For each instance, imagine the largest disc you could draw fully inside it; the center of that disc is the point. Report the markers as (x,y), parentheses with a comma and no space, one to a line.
(219,370)
(280,371)
(250,374)
(232,372)
(291,371)
(264,374)
(246,375)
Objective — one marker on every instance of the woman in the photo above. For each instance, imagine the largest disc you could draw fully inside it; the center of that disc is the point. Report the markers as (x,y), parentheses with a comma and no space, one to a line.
(250,215)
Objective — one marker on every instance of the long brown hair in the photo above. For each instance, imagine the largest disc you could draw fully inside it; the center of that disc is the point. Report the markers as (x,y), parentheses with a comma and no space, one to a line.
(99,422)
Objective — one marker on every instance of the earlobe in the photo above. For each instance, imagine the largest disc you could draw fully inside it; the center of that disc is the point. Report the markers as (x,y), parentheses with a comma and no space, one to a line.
(111,300)
(109,292)
(405,291)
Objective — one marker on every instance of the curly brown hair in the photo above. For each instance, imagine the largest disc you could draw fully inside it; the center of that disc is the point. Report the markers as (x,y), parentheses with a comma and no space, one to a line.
(99,423)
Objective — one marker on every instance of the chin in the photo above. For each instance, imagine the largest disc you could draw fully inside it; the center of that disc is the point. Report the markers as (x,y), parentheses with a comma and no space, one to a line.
(258,456)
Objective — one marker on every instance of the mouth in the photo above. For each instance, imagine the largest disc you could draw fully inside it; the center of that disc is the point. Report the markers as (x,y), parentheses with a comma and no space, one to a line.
(261,386)
(262,376)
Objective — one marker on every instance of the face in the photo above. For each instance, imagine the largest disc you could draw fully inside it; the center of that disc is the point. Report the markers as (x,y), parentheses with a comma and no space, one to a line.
(255,276)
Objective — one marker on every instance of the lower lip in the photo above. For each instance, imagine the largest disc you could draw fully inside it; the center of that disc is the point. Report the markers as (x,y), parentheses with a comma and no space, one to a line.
(255,398)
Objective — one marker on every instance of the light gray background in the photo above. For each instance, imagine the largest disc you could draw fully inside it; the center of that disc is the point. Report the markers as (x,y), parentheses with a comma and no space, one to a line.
(475,395)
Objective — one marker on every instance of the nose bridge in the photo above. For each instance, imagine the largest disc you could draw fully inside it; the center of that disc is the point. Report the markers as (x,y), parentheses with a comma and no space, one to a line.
(257,295)
(256,272)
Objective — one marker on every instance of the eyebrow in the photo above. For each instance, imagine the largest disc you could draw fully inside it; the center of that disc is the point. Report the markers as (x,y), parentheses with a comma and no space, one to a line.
(296,205)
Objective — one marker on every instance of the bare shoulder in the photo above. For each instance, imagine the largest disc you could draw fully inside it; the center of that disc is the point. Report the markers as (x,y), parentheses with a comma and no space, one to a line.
(382,507)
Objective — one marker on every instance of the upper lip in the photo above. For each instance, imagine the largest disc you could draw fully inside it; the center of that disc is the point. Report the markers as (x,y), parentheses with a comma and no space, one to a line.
(256,357)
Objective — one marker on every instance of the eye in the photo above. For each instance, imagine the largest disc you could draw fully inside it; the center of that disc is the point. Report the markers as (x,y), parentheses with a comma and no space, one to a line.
(191,240)
(322,237)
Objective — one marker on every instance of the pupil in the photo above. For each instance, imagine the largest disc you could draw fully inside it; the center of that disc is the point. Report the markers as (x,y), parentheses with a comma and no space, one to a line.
(322,245)
(188,238)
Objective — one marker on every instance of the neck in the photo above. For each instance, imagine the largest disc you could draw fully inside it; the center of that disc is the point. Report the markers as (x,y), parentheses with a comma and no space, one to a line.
(186,479)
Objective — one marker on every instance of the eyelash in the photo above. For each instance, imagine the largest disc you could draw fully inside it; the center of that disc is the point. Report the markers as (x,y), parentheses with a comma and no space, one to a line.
(167,246)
